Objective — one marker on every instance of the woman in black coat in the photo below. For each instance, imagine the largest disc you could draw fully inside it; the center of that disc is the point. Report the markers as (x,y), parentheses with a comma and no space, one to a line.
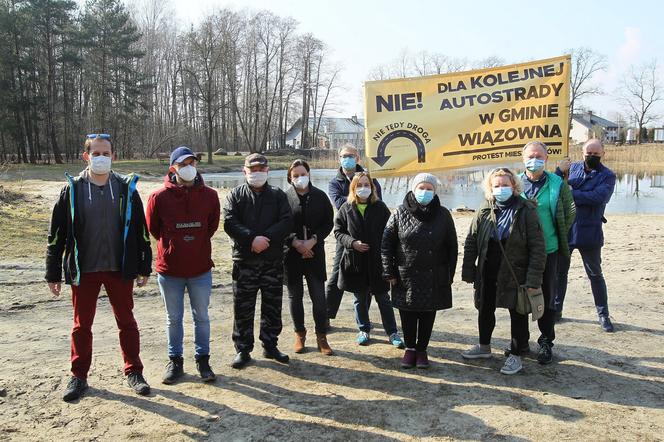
(358,227)
(312,223)
(419,260)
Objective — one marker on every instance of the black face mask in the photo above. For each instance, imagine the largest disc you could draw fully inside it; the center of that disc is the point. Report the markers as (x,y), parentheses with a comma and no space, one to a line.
(592,161)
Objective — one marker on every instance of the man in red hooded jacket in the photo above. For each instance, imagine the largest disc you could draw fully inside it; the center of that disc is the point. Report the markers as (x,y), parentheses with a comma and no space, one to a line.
(183,216)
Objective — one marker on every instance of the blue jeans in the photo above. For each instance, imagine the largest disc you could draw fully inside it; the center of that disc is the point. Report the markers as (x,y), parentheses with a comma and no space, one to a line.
(592,262)
(362,303)
(172,292)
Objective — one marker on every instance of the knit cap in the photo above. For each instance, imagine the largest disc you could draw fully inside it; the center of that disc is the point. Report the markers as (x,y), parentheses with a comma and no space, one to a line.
(424,178)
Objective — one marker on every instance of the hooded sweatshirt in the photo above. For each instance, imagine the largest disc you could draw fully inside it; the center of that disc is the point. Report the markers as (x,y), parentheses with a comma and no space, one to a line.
(182,220)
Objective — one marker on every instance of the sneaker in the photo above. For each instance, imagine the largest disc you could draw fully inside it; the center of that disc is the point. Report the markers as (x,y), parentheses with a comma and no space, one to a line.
(477,352)
(606,324)
(75,389)
(395,340)
(545,355)
(422,359)
(362,338)
(204,369)
(174,370)
(409,359)
(138,383)
(512,365)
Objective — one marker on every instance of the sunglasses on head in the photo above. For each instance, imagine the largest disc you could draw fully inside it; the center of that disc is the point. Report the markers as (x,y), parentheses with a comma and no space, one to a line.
(501,169)
(101,136)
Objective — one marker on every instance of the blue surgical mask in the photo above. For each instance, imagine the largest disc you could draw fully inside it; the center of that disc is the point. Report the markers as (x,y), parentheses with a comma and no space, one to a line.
(534,164)
(502,194)
(423,196)
(348,163)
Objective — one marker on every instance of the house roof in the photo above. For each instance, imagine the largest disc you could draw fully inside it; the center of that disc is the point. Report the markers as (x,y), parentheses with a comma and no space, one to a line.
(589,120)
(328,126)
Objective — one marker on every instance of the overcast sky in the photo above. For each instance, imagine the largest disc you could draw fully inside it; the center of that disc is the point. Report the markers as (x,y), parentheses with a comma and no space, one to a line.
(365,33)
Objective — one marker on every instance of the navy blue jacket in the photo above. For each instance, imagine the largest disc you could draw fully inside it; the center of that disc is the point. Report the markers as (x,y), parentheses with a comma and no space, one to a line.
(591,191)
(338,187)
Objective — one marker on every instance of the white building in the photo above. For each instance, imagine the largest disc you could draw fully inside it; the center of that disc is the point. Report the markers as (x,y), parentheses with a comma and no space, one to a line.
(586,124)
(332,134)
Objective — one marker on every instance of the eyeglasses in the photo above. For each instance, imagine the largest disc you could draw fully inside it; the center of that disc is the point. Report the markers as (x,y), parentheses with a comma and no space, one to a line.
(101,136)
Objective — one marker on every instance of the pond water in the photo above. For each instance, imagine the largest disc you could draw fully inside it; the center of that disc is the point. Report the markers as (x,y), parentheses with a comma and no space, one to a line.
(462,188)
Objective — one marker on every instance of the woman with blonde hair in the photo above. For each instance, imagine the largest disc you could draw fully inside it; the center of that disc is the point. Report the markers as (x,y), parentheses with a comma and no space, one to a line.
(358,227)
(505,242)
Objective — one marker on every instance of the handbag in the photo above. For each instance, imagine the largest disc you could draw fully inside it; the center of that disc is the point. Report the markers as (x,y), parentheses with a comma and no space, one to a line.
(526,302)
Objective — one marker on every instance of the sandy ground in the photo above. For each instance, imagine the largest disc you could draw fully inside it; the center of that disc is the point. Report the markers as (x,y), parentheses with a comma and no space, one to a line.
(601,386)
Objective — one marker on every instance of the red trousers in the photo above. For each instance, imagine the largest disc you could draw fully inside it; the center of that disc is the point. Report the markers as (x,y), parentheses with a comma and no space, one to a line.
(84,299)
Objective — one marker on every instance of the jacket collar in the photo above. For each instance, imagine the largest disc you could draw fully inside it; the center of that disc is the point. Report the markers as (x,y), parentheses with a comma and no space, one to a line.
(341,176)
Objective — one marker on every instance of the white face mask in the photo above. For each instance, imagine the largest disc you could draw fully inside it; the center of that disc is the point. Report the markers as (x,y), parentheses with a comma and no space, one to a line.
(187,173)
(100,165)
(363,192)
(256,179)
(301,182)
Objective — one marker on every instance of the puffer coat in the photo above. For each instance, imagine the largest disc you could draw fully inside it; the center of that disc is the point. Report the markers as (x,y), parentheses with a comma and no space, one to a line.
(420,252)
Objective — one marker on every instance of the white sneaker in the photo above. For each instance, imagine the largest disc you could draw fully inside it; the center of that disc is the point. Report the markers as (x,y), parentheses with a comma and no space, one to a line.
(512,365)
(476,352)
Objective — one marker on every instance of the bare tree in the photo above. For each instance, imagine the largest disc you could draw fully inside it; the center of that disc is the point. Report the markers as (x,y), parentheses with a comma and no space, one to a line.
(490,62)
(585,64)
(640,91)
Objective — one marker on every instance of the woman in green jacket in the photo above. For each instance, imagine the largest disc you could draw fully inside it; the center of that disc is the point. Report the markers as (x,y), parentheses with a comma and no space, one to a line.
(556,210)
(505,228)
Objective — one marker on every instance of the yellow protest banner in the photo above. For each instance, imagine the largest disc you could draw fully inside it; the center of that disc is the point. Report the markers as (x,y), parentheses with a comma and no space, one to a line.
(466,119)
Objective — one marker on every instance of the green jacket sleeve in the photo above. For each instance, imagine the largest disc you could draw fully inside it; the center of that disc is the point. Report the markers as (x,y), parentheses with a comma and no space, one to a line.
(470,251)
(569,208)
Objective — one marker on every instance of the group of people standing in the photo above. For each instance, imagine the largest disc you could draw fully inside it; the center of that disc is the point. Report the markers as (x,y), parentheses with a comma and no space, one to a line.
(521,237)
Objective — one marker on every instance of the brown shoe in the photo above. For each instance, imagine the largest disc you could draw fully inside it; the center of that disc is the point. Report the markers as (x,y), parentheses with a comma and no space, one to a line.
(300,337)
(323,346)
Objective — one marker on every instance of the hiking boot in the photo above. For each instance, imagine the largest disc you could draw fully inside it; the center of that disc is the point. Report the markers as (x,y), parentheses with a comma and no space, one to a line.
(477,351)
(409,359)
(512,365)
(138,383)
(362,338)
(241,359)
(606,324)
(174,370)
(422,359)
(274,353)
(300,337)
(545,355)
(323,346)
(204,369)
(395,340)
(75,389)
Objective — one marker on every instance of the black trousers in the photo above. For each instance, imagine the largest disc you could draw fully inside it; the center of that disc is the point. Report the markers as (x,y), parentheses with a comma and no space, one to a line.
(547,322)
(333,293)
(487,314)
(316,288)
(248,279)
(417,328)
